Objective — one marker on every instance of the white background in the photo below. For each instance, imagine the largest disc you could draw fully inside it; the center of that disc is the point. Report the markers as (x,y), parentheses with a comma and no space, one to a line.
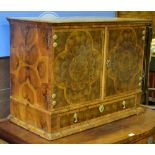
(76,5)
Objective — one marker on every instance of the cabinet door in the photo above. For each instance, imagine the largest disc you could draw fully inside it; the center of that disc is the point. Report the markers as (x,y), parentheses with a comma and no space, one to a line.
(77,66)
(124,59)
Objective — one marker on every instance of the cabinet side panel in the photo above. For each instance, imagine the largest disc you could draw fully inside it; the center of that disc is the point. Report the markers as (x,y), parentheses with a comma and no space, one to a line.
(29,64)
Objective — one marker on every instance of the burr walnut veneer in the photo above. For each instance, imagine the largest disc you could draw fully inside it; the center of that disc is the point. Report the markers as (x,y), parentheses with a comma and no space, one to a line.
(69,75)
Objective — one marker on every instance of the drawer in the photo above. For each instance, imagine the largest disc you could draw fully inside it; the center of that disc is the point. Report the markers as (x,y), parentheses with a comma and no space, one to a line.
(96,111)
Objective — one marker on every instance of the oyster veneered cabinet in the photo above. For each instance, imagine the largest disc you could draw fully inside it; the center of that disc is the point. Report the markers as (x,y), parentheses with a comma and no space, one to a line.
(71,75)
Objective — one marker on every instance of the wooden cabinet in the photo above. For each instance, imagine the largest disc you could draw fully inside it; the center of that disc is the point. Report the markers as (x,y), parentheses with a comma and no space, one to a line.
(71,75)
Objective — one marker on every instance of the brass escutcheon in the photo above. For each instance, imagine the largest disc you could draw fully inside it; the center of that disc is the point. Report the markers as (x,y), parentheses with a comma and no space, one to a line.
(101,108)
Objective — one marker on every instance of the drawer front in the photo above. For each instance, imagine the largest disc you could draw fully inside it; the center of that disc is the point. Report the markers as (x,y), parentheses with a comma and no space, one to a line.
(95,111)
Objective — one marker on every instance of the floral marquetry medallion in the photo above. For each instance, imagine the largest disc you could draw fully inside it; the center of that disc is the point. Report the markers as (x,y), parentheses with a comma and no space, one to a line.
(78,66)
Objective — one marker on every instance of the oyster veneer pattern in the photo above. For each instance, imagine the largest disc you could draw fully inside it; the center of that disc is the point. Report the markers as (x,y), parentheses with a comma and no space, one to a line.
(78,66)
(125,53)
(29,65)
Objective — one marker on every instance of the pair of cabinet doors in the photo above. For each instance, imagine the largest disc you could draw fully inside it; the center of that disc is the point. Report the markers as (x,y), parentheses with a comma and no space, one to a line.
(91,64)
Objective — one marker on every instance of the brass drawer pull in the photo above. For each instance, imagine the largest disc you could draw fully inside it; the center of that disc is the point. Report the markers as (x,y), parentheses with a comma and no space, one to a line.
(101,108)
(124,104)
(75,116)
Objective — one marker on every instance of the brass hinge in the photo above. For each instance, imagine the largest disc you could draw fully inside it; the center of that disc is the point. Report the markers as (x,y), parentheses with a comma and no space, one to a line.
(48,39)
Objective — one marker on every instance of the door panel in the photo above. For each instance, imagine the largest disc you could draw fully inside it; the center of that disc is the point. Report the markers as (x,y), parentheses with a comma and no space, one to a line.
(124,60)
(77,66)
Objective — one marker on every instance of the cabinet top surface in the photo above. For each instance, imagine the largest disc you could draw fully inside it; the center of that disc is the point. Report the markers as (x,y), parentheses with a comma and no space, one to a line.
(78,19)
